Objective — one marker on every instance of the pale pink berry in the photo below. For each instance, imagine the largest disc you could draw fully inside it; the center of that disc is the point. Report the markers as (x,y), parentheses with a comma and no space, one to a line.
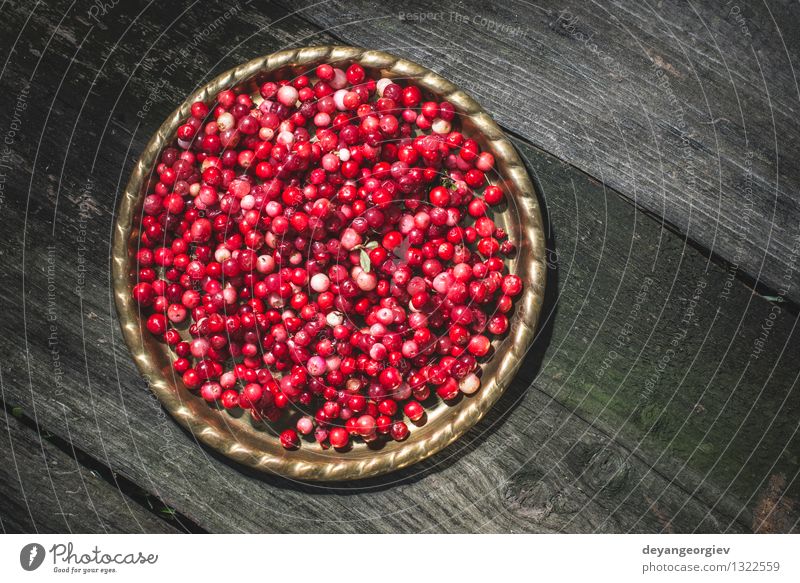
(350,239)
(287,95)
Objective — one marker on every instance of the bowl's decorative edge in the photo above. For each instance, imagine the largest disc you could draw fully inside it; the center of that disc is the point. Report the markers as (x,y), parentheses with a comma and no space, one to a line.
(532,270)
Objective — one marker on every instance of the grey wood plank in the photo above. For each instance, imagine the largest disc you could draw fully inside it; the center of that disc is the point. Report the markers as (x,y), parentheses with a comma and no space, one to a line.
(687,109)
(44,490)
(531,466)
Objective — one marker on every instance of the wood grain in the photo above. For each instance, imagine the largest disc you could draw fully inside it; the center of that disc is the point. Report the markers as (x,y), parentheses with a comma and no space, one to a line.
(45,490)
(666,351)
(687,109)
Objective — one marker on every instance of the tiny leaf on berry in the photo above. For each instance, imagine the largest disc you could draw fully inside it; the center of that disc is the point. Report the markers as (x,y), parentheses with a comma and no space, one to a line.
(366,263)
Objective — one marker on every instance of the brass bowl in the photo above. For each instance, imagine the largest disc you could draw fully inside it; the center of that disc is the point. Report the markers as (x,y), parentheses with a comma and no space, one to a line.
(256,447)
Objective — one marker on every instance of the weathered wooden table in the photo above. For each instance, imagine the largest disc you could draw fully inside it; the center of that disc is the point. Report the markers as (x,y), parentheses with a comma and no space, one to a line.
(661,395)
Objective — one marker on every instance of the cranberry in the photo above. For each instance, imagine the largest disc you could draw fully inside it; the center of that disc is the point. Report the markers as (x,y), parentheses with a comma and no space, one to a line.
(339,437)
(143,294)
(493,195)
(209,391)
(305,425)
(290,439)
(448,390)
(414,410)
(479,345)
(157,324)
(365,425)
(498,324)
(512,285)
(469,384)
(399,431)
(440,196)
(390,377)
(230,399)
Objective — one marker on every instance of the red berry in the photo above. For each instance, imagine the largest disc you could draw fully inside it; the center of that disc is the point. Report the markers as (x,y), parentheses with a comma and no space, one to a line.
(414,410)
(355,74)
(365,425)
(512,285)
(339,437)
(479,345)
(474,178)
(230,399)
(448,390)
(143,294)
(411,96)
(199,110)
(477,208)
(498,324)
(324,72)
(157,324)
(390,377)
(440,196)
(388,407)
(493,195)
(399,431)
(251,395)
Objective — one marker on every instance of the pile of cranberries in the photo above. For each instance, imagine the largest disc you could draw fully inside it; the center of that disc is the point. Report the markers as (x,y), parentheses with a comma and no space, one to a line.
(327,249)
